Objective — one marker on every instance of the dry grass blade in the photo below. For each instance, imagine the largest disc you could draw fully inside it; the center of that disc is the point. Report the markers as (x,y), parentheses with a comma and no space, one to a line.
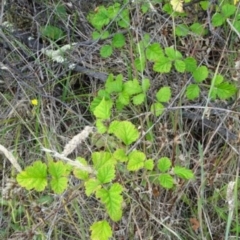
(76,140)
(10,157)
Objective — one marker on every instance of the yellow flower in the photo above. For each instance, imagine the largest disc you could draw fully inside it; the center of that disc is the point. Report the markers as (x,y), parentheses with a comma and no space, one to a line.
(34,102)
(235,2)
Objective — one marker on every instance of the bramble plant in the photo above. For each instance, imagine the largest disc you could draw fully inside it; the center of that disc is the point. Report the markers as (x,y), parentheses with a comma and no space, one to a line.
(99,173)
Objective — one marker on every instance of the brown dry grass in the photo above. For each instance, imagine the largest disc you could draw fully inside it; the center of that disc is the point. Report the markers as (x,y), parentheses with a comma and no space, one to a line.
(194,210)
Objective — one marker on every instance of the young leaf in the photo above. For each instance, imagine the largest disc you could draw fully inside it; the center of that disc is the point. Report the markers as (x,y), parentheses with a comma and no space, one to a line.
(123,98)
(157,109)
(101,159)
(106,51)
(166,180)
(34,177)
(57,169)
(164,164)
(164,94)
(136,160)
(198,29)
(193,91)
(78,173)
(118,40)
(120,155)
(125,131)
(103,110)
(139,99)
(228,10)
(190,64)
(132,87)
(52,32)
(106,174)
(149,164)
(181,30)
(59,185)
(183,172)
(100,19)
(218,79)
(112,86)
(91,186)
(179,65)
(112,199)
(101,128)
(140,63)
(200,74)
(172,53)
(218,20)
(124,21)
(145,85)
(225,90)
(101,230)
(154,52)
(96,35)
(163,65)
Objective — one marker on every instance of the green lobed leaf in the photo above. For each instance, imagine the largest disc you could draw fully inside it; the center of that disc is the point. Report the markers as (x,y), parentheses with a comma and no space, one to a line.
(120,155)
(140,63)
(114,86)
(57,169)
(154,52)
(101,128)
(145,85)
(136,160)
(125,131)
(218,20)
(34,177)
(106,51)
(103,110)
(112,199)
(113,10)
(106,174)
(182,30)
(179,66)
(166,180)
(132,87)
(163,65)
(157,109)
(105,34)
(164,94)
(149,164)
(118,40)
(200,74)
(123,98)
(59,185)
(172,53)
(52,32)
(198,29)
(183,172)
(78,173)
(218,79)
(225,90)
(190,64)
(96,35)
(124,20)
(100,19)
(101,230)
(139,99)
(102,158)
(91,186)
(228,10)
(164,164)
(193,91)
